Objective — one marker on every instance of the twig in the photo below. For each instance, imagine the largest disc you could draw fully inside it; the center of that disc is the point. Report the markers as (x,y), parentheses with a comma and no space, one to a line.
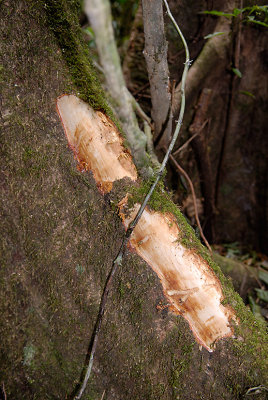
(147,130)
(183,147)
(118,260)
(254,276)
(256,389)
(150,145)
(242,285)
(103,394)
(181,170)
(138,109)
(3,392)
(140,89)
(98,67)
(238,39)
(144,95)
(134,102)
(161,137)
(94,338)
(178,126)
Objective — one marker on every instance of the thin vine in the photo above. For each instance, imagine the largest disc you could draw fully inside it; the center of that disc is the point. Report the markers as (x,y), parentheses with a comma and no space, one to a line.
(118,260)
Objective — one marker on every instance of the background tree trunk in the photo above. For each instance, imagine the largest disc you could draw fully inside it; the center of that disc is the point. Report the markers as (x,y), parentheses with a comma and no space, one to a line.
(237,119)
(236,133)
(60,235)
(155,53)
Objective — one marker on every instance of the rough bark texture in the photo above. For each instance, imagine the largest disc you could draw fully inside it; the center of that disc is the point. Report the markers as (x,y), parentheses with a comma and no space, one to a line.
(59,237)
(155,53)
(199,144)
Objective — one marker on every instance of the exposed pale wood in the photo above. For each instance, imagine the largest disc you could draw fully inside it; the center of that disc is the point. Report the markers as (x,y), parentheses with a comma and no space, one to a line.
(96,142)
(190,285)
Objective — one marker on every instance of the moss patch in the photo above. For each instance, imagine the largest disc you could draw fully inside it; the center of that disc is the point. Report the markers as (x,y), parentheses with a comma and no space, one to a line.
(250,334)
(62,18)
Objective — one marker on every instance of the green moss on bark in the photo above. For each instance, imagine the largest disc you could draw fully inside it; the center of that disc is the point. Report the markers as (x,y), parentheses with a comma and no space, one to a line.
(250,334)
(63,20)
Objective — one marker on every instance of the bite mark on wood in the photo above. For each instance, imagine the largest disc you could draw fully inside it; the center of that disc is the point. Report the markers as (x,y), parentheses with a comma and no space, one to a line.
(188,282)
(96,142)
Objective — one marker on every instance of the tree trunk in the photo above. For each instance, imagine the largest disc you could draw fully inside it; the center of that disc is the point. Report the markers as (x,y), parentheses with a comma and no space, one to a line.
(235,134)
(60,236)
(237,116)
(155,53)
(99,14)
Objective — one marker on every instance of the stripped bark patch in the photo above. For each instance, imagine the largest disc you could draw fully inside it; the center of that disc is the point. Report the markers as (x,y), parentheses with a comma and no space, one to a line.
(96,142)
(189,283)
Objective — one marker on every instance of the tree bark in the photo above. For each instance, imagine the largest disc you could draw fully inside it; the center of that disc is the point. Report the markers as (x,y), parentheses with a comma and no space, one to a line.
(155,53)
(60,236)
(236,130)
(200,146)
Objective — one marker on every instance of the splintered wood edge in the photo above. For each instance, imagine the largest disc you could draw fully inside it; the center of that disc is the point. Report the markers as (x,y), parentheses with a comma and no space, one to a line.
(96,142)
(189,283)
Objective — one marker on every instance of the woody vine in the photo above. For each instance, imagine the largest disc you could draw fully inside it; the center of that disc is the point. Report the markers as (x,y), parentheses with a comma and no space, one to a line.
(79,390)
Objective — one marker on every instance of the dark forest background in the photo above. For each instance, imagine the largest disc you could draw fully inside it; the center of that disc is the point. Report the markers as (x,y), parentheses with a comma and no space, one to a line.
(227,162)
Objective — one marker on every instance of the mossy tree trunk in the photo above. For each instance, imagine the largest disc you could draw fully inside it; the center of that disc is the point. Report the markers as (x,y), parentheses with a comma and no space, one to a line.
(59,236)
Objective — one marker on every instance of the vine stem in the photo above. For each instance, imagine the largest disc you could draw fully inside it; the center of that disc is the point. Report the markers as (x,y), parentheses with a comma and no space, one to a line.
(118,260)
(178,126)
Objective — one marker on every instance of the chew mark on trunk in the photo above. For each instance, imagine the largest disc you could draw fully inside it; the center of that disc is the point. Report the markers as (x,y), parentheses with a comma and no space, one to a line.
(96,142)
(189,283)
